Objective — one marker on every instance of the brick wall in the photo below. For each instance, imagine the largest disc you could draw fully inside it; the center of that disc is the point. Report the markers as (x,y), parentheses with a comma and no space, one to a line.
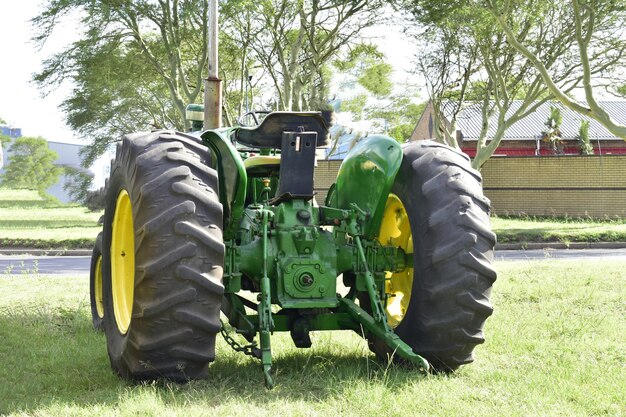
(574,186)
(325,175)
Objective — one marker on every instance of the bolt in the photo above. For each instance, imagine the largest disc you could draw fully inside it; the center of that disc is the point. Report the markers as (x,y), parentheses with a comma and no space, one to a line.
(307,280)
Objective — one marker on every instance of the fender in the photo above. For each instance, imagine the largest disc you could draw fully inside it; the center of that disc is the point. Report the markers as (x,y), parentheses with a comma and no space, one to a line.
(232,177)
(365,178)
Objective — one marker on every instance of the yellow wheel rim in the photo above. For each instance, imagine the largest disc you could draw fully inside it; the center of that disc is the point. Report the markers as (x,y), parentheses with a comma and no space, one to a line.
(98,287)
(123,261)
(395,230)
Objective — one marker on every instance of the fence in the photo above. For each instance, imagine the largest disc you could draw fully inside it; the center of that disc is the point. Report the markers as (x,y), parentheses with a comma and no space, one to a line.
(556,186)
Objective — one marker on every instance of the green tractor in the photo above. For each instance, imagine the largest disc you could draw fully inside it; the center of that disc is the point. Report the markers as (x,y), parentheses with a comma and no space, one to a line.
(225,222)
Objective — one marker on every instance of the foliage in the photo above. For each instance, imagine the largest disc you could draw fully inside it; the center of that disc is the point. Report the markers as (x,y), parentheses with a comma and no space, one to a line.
(356,105)
(293,42)
(377,79)
(470,58)
(135,66)
(31,166)
(78,185)
(591,46)
(399,116)
(365,65)
(393,114)
(5,140)
(584,145)
(137,63)
(553,134)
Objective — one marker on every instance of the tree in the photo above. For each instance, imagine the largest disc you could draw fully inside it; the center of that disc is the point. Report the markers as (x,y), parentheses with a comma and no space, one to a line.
(31,165)
(138,63)
(294,40)
(392,113)
(553,133)
(473,62)
(78,184)
(447,66)
(136,66)
(584,145)
(599,43)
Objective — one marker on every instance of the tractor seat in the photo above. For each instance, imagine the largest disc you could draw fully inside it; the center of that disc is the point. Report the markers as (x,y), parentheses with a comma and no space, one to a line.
(269,133)
(262,165)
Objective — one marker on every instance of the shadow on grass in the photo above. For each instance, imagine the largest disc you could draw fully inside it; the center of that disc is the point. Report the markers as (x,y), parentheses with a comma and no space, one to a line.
(51,357)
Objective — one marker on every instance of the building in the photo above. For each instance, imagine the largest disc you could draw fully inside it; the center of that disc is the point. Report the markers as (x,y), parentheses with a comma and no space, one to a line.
(524,138)
(12,133)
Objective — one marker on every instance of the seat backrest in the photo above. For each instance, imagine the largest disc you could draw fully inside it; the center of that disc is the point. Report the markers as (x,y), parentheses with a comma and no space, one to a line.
(269,133)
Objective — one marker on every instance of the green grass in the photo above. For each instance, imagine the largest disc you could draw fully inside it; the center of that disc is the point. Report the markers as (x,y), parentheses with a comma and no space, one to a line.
(555,347)
(546,229)
(28,220)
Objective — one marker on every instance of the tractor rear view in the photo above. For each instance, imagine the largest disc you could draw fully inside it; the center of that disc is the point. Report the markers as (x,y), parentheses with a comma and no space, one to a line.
(222,223)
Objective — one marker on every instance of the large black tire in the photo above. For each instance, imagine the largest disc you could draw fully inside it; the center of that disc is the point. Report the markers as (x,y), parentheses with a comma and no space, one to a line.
(95,285)
(176,290)
(453,252)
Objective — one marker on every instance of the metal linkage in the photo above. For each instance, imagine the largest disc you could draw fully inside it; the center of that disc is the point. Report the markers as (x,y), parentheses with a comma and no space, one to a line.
(266,324)
(377,322)
(372,290)
(249,349)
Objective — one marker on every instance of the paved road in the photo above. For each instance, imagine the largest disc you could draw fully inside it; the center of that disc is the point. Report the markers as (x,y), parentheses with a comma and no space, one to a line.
(521,255)
(63,265)
(68,265)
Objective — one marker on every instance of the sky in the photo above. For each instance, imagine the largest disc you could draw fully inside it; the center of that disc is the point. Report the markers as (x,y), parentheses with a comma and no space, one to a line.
(21,102)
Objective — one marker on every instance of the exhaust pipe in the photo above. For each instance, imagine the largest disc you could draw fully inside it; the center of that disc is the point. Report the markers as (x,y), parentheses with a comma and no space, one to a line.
(213,84)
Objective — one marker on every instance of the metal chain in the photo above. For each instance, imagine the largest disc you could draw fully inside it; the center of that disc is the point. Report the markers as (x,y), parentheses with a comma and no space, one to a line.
(250,350)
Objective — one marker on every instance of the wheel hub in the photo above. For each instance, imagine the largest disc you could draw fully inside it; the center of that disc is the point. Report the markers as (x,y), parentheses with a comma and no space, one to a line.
(395,230)
(98,288)
(123,261)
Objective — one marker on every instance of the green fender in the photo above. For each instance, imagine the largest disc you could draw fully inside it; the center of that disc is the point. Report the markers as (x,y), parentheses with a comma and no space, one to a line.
(232,177)
(365,178)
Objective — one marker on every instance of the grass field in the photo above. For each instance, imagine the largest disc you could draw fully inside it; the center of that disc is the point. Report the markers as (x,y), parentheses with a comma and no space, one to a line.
(555,347)
(537,229)
(28,220)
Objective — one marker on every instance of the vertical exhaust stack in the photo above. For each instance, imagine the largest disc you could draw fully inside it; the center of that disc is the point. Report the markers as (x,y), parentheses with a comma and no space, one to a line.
(213,84)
